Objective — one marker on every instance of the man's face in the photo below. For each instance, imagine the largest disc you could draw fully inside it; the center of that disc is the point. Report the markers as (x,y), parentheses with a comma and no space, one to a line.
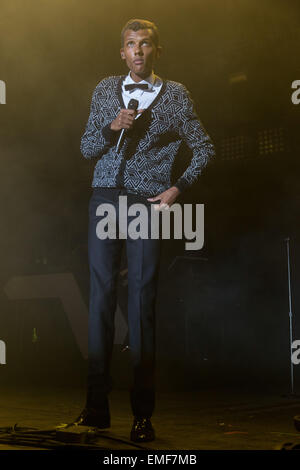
(140,52)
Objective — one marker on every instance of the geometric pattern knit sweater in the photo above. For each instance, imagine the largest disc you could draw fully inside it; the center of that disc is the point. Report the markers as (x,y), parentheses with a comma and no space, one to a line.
(144,162)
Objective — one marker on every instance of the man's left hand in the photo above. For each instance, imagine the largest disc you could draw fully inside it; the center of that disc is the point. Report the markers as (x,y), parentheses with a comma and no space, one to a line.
(167,198)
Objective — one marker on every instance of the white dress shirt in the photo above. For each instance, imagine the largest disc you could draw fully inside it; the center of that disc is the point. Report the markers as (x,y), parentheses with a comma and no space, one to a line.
(144,97)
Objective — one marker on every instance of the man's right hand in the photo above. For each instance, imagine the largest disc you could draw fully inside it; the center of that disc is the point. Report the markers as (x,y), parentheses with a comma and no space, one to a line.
(124,120)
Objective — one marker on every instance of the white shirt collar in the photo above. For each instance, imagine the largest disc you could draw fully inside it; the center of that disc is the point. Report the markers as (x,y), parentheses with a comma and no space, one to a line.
(150,80)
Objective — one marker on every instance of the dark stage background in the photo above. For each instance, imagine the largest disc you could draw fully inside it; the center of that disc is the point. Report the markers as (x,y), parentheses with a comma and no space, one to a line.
(222,312)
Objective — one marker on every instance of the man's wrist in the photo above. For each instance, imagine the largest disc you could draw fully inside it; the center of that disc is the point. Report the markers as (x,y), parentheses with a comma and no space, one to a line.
(113,127)
(175,189)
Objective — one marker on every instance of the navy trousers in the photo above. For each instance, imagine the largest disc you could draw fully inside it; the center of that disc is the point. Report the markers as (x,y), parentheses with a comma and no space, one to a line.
(143,258)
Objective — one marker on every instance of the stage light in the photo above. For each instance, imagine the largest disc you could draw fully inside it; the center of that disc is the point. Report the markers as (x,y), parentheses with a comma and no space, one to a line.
(233,147)
(271,141)
(237,78)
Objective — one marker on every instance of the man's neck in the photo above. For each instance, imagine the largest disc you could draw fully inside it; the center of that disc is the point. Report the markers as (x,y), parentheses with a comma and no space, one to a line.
(137,79)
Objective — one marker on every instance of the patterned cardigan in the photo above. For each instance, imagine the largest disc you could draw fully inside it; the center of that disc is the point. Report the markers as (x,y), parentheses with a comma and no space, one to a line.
(144,162)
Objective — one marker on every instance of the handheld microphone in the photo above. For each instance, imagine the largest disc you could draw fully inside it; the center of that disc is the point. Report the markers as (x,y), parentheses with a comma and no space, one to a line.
(133,104)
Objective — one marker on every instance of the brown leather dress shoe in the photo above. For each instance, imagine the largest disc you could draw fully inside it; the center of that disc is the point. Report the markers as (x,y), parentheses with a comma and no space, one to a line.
(92,417)
(142,430)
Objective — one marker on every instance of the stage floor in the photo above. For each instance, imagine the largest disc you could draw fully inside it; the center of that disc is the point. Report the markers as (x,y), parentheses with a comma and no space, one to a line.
(211,419)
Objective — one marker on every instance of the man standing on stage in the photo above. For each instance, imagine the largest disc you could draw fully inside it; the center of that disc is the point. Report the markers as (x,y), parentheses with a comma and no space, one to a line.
(137,166)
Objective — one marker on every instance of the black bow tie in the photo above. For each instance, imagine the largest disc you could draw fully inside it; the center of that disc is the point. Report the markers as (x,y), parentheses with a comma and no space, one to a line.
(132,86)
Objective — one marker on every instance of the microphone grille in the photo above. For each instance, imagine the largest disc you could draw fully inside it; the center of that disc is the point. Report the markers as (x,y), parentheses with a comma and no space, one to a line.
(133,104)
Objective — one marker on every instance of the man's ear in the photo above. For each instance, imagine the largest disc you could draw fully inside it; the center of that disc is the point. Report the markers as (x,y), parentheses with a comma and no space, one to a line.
(122,53)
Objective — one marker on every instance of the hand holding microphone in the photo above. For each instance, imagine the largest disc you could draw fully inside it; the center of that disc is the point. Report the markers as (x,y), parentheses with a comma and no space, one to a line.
(125,120)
